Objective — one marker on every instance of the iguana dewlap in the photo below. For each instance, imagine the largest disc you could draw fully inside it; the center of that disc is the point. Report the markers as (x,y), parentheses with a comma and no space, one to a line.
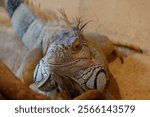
(60,56)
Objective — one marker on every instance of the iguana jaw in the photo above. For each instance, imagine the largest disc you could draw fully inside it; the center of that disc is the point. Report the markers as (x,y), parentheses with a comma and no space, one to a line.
(70,63)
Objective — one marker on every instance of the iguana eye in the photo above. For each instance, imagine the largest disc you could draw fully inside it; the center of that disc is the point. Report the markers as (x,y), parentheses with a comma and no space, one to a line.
(77,46)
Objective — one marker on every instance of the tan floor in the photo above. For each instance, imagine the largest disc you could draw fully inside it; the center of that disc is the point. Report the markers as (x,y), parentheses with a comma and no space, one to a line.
(125,21)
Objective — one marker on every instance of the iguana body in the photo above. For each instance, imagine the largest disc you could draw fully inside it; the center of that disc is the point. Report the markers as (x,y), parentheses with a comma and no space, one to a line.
(61,58)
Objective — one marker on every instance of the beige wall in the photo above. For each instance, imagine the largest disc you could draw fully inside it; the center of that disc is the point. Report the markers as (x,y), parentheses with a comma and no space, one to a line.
(125,20)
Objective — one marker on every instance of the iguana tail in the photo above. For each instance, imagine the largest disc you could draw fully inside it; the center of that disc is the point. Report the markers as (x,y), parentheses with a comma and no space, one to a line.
(24,22)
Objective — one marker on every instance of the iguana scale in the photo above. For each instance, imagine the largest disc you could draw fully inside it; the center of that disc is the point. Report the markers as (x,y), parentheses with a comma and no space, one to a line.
(61,57)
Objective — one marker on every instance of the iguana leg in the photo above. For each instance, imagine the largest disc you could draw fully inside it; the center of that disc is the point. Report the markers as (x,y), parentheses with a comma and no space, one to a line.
(113,55)
(105,45)
(129,48)
(25,72)
(122,50)
(112,50)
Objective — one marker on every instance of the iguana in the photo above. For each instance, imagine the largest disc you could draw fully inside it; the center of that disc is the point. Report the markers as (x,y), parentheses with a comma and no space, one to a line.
(61,58)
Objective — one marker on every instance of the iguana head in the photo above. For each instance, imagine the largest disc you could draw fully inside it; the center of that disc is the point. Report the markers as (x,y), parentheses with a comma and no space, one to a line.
(69,54)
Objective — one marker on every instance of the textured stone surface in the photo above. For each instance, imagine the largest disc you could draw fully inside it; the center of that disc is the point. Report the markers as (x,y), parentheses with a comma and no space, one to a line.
(125,21)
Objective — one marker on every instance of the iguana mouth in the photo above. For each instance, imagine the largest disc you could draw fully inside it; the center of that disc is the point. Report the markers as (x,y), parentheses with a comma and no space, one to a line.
(69,63)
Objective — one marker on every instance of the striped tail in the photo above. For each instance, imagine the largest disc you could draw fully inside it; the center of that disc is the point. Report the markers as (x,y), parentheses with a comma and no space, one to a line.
(24,22)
